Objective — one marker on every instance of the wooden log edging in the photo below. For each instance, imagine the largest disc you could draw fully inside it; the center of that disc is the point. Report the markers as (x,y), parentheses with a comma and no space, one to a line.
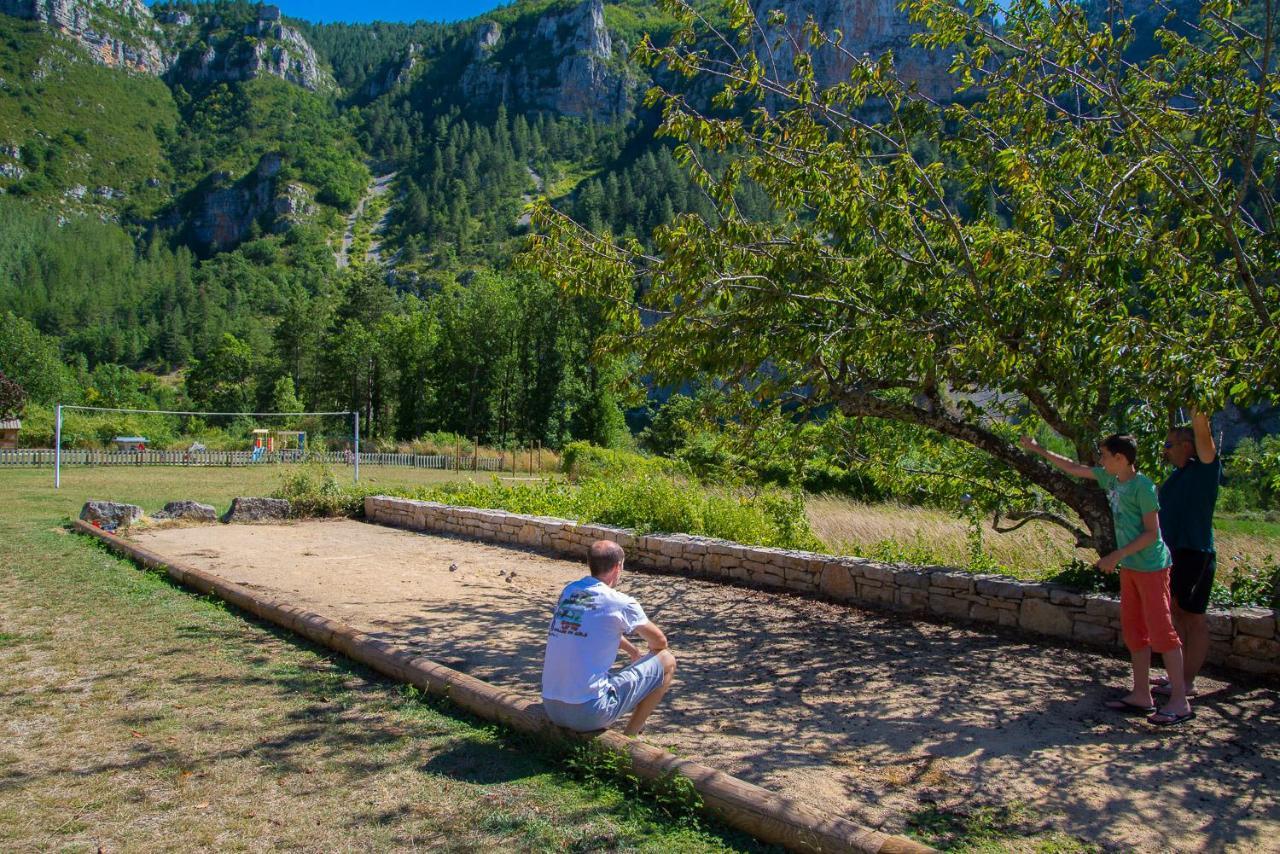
(766,815)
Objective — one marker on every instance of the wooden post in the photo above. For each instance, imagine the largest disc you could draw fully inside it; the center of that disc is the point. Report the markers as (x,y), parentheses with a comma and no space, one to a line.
(475,454)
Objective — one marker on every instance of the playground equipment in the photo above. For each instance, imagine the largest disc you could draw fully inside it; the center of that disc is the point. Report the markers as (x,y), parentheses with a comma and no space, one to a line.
(265,442)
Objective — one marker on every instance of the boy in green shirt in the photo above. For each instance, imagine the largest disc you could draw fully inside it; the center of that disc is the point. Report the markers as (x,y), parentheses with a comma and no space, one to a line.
(1146,619)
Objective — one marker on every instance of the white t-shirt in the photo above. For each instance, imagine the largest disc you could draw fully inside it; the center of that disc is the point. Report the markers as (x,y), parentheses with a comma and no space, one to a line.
(582,643)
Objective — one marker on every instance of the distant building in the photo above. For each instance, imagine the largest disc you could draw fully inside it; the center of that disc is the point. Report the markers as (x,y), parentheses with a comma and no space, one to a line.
(9,433)
(130,443)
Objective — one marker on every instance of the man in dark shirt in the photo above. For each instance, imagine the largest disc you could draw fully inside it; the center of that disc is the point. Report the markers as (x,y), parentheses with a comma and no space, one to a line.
(1187,499)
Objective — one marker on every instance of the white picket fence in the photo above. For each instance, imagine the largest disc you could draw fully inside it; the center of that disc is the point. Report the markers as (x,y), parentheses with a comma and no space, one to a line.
(72,457)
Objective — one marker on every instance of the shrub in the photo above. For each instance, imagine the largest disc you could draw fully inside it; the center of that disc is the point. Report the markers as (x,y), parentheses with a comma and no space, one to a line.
(583,460)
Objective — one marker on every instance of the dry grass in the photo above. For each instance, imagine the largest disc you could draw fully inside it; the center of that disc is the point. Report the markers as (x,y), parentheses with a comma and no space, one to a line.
(932,536)
(1037,549)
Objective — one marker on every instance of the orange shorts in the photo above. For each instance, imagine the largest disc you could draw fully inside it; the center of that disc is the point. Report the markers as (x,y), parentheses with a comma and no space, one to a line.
(1146,619)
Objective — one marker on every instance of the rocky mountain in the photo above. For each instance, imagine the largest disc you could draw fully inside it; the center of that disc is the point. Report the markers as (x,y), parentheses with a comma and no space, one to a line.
(116,33)
(227,209)
(565,62)
(870,27)
(193,49)
(223,48)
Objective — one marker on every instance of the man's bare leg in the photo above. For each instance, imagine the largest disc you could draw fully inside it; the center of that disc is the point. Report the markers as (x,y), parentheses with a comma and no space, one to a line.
(649,703)
(1193,629)
(1175,667)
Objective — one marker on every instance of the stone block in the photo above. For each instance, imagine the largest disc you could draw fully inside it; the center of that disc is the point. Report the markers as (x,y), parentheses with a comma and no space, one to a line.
(1264,649)
(1063,596)
(1256,622)
(1090,633)
(950,580)
(1035,591)
(1008,618)
(1220,624)
(1003,588)
(911,599)
(670,547)
(837,582)
(948,606)
(1102,606)
(191,510)
(903,577)
(878,593)
(1043,617)
(1252,665)
(111,514)
(257,510)
(874,572)
(984,613)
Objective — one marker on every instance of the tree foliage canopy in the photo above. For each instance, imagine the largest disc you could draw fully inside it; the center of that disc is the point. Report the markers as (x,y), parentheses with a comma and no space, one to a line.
(1081,238)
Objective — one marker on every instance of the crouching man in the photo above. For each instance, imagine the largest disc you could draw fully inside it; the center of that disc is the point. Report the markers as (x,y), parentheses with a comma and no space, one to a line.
(589,626)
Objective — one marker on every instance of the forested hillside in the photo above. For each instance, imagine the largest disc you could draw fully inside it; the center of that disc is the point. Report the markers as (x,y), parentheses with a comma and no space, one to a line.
(170,239)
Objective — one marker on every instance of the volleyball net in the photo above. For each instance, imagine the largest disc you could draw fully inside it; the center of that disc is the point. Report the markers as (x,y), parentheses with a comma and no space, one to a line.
(105,435)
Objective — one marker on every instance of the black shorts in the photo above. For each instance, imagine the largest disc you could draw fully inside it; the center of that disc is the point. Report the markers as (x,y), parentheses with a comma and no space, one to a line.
(1191,579)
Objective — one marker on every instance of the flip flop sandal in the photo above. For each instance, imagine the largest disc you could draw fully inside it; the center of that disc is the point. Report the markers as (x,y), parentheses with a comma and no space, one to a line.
(1159,681)
(1164,690)
(1129,708)
(1169,719)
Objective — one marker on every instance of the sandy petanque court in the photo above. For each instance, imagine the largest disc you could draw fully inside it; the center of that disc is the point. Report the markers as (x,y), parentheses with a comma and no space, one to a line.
(870,716)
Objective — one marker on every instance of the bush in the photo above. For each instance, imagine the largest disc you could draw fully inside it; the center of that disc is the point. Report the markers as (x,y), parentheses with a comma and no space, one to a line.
(583,460)
(313,490)
(646,504)
(1250,585)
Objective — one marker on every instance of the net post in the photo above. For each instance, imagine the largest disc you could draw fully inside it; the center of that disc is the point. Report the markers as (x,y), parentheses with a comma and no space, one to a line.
(357,457)
(57,448)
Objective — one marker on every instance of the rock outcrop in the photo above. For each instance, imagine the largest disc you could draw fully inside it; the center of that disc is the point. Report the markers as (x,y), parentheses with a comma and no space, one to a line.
(110,514)
(257,510)
(117,33)
(394,75)
(226,211)
(582,76)
(870,27)
(191,510)
(262,46)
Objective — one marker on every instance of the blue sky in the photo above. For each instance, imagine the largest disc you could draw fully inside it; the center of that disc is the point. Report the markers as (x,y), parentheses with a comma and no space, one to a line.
(359,11)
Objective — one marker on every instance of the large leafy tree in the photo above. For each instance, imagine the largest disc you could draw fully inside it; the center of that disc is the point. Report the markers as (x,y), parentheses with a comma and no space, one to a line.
(1083,238)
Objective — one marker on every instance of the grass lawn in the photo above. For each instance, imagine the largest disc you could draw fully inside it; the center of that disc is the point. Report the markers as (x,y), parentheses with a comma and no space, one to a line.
(137,715)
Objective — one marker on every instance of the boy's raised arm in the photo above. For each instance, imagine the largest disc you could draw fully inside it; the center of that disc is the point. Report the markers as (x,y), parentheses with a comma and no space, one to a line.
(1069,466)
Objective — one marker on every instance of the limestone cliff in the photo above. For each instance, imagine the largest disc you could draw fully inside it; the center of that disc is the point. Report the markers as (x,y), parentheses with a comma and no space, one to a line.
(567,63)
(870,27)
(394,75)
(117,33)
(226,53)
(226,211)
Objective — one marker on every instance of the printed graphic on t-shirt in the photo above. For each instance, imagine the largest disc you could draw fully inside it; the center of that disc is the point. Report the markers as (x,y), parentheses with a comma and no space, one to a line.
(1113,497)
(568,619)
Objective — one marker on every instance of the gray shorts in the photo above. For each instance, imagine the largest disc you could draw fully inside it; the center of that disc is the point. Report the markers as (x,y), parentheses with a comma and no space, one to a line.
(626,689)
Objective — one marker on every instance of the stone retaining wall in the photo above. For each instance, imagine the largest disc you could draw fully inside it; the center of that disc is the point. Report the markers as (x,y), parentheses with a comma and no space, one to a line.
(1246,639)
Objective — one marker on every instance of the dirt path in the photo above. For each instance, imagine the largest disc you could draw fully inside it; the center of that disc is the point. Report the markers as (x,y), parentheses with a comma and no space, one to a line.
(876,717)
(381,185)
